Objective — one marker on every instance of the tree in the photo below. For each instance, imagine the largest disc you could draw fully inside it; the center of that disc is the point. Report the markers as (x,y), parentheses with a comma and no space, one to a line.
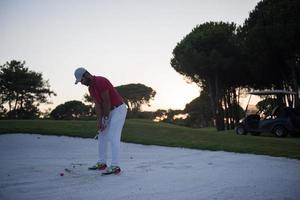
(267,105)
(210,57)
(70,110)
(199,111)
(91,104)
(22,90)
(136,95)
(160,115)
(271,37)
(170,116)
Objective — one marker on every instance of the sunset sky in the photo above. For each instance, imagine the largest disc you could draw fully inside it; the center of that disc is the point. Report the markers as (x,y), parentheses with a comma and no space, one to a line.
(127,41)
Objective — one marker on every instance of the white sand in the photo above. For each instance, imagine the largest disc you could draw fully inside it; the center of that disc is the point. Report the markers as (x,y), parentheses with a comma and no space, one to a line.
(30,166)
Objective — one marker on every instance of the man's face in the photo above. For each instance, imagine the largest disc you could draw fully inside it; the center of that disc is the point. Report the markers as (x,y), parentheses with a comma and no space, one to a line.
(86,80)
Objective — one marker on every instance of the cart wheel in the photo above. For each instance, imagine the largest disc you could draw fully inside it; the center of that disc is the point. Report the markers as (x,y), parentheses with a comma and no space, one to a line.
(280,131)
(240,130)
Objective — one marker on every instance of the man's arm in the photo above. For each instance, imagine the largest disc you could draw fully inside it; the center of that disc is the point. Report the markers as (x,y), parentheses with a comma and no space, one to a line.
(106,105)
(102,110)
(98,114)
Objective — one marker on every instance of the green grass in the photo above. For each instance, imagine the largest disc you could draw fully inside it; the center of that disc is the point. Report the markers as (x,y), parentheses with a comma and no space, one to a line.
(150,133)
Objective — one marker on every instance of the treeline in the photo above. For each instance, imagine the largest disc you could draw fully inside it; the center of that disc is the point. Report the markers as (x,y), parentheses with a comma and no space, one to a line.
(197,114)
(224,59)
(22,90)
(134,95)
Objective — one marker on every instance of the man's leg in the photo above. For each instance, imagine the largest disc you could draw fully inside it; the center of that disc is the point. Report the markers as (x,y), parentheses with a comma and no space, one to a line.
(118,117)
(102,146)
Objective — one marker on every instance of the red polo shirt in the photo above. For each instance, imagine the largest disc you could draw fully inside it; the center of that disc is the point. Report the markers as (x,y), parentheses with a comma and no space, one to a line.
(100,84)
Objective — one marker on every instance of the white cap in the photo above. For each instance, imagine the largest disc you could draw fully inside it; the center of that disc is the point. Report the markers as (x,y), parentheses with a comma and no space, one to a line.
(79,73)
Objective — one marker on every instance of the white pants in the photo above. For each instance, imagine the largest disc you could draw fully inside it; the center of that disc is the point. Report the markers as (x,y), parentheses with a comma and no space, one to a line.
(112,134)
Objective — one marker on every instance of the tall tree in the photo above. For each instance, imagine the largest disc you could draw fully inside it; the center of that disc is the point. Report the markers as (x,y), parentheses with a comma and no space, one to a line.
(70,110)
(136,95)
(22,90)
(271,36)
(209,56)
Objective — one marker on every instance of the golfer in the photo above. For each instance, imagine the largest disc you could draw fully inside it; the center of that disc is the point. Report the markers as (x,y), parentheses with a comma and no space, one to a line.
(111,113)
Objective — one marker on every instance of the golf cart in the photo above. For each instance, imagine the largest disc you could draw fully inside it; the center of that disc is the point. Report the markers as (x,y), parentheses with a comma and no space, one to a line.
(281,118)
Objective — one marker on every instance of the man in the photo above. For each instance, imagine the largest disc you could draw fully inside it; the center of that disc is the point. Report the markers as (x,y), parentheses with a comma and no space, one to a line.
(111,113)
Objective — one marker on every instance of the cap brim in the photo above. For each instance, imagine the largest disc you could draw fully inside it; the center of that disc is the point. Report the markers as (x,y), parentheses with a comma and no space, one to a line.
(77,81)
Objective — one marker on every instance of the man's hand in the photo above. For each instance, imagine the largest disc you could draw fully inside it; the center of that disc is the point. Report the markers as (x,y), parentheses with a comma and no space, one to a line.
(102,124)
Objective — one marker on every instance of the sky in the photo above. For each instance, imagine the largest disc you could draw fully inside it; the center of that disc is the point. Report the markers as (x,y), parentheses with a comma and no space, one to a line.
(126,41)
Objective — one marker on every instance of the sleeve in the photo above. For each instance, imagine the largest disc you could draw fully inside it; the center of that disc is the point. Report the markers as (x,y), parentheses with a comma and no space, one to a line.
(102,85)
(92,94)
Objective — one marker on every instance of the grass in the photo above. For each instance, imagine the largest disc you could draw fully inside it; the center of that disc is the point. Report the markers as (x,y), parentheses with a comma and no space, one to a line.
(150,133)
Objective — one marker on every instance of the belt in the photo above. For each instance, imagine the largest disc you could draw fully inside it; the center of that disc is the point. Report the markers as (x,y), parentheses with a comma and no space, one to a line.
(113,107)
